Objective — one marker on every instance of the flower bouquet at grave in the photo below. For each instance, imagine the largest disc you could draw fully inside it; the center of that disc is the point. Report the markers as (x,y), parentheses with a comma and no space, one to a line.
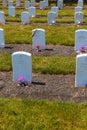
(1,22)
(22,82)
(83,49)
(38,48)
(25,23)
(80,22)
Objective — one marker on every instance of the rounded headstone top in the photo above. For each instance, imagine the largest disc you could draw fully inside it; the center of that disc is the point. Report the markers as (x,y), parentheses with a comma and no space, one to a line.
(81,30)
(22,52)
(1,29)
(39,29)
(81,55)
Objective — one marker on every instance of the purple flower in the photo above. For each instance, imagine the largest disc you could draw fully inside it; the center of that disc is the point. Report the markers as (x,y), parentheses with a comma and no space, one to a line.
(18,5)
(82,49)
(21,79)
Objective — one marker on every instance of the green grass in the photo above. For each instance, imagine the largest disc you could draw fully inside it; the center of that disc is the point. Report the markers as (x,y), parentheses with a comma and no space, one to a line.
(54,65)
(66,11)
(18,114)
(66,15)
(57,35)
(62,20)
(45,65)
(5,61)
(13,19)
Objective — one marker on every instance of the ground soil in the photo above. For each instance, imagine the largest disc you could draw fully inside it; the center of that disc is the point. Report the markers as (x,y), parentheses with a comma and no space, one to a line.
(44,86)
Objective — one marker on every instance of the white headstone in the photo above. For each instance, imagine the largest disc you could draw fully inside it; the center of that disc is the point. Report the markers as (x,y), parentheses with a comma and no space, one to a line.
(42,5)
(55,9)
(11,11)
(51,17)
(22,66)
(4,2)
(78,18)
(25,17)
(2,40)
(38,39)
(32,11)
(2,18)
(17,2)
(46,3)
(78,8)
(80,39)
(60,4)
(81,71)
(80,3)
(33,3)
(10,3)
(27,4)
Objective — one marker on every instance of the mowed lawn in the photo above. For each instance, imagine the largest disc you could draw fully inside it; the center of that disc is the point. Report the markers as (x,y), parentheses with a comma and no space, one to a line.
(18,114)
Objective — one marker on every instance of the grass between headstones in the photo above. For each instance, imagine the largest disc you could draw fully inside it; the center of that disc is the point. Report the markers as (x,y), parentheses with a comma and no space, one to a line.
(61,13)
(44,65)
(61,20)
(41,115)
(59,35)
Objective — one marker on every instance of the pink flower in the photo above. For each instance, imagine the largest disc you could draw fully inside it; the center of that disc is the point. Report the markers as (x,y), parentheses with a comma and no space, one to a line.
(18,5)
(82,49)
(25,23)
(21,79)
(0,22)
(81,23)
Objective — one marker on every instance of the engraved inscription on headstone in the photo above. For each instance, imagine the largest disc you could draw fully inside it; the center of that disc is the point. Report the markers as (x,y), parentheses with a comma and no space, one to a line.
(25,17)
(80,39)
(11,10)
(51,17)
(38,38)
(78,18)
(2,40)
(32,11)
(81,70)
(22,66)
(2,17)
